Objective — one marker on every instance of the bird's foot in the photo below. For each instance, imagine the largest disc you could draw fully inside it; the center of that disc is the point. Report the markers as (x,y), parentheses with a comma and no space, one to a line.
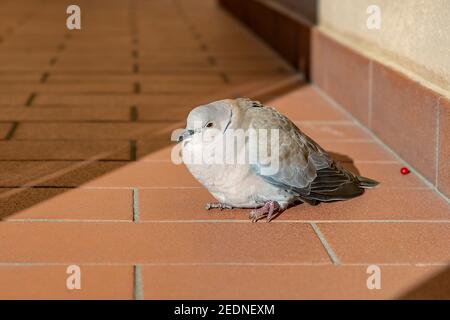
(269,210)
(217,205)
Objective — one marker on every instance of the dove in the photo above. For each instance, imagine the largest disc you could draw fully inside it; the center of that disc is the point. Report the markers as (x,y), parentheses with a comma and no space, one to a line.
(293,170)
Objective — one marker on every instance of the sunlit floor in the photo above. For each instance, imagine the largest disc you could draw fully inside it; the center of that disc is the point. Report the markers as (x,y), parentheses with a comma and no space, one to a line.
(86,176)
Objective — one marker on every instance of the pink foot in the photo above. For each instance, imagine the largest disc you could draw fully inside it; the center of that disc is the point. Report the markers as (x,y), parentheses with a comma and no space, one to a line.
(270,210)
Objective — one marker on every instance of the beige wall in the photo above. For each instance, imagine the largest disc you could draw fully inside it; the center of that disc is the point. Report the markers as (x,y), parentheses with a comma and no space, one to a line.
(414,33)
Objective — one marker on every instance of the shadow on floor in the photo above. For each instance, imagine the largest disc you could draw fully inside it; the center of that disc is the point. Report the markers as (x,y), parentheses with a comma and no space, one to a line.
(436,288)
(28,183)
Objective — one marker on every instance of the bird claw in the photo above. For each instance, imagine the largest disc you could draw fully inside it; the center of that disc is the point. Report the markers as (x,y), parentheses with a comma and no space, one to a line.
(217,205)
(269,211)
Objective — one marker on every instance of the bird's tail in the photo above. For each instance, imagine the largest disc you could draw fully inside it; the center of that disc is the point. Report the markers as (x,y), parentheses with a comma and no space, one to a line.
(367,183)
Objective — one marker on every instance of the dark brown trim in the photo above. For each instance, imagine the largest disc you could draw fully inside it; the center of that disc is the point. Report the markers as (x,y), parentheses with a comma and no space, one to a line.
(286,31)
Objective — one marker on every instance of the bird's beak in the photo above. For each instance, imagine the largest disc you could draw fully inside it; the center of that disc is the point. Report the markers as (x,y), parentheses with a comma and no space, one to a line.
(186,134)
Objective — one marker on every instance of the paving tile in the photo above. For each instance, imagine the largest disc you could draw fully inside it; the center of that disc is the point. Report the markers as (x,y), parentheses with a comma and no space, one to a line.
(387,173)
(389,242)
(404,116)
(338,70)
(20,78)
(64,150)
(13,99)
(147,174)
(4,129)
(297,282)
(158,79)
(160,243)
(68,204)
(378,204)
(435,287)
(443,173)
(85,88)
(114,100)
(306,104)
(94,131)
(356,150)
(150,87)
(50,282)
(54,173)
(156,113)
(64,113)
(320,131)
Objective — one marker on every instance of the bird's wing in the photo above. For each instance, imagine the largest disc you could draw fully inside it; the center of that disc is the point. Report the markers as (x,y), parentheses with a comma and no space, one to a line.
(292,160)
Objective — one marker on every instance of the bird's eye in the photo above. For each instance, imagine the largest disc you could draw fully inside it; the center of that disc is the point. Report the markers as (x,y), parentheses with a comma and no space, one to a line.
(209,124)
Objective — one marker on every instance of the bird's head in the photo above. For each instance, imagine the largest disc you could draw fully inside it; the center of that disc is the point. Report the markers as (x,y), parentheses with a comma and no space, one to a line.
(214,117)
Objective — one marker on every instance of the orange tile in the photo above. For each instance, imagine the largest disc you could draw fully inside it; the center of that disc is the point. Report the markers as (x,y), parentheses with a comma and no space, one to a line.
(320,131)
(404,116)
(4,130)
(67,204)
(64,150)
(147,174)
(155,112)
(297,282)
(50,282)
(387,173)
(85,88)
(13,99)
(59,113)
(53,173)
(160,243)
(113,100)
(378,204)
(306,103)
(357,151)
(389,242)
(94,131)
(342,74)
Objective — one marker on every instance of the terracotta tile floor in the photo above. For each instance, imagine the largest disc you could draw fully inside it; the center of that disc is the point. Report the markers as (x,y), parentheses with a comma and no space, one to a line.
(86,176)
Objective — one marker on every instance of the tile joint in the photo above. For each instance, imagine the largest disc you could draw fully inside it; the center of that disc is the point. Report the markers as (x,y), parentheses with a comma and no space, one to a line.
(135,205)
(138,292)
(325,244)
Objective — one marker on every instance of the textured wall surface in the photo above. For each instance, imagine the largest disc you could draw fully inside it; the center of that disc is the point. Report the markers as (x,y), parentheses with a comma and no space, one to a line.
(414,33)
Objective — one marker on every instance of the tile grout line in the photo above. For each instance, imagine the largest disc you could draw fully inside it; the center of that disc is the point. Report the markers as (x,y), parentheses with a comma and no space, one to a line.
(242,264)
(135,205)
(325,244)
(379,141)
(106,221)
(138,292)
(133,150)
(30,99)
(11,131)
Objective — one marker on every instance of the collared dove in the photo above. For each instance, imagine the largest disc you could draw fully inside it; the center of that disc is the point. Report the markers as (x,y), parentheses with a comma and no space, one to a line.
(301,171)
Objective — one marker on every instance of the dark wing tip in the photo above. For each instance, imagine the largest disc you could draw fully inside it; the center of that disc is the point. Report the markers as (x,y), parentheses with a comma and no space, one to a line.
(367,183)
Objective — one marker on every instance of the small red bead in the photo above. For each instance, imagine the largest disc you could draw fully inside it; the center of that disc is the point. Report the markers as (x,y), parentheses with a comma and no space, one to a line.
(404,170)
